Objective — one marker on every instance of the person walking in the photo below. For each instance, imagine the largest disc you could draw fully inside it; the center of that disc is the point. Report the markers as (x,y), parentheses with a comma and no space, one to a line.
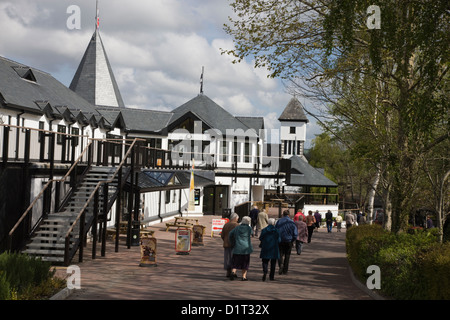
(299,215)
(288,233)
(270,252)
(349,220)
(262,222)
(329,220)
(338,222)
(227,246)
(254,217)
(302,237)
(240,238)
(318,218)
(310,223)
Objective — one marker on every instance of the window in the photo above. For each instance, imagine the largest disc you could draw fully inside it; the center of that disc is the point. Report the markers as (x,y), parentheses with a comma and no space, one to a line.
(299,147)
(75,131)
(167,196)
(247,151)
(59,137)
(41,133)
(285,149)
(292,130)
(237,150)
(224,151)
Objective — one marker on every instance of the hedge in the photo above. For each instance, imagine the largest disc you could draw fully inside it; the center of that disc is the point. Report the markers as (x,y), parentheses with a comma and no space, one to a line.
(412,265)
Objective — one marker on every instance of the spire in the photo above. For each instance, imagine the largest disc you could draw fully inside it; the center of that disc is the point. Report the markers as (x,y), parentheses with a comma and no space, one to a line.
(201,80)
(94,79)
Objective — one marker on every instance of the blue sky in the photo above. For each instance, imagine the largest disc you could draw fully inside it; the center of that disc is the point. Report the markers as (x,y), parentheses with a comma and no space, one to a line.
(157,49)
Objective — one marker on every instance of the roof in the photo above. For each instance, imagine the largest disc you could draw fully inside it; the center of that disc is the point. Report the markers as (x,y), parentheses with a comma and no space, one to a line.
(303,174)
(256,123)
(293,112)
(94,79)
(144,120)
(32,90)
(212,115)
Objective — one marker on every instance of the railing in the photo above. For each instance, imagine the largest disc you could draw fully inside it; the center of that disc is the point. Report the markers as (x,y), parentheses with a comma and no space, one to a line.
(81,217)
(44,192)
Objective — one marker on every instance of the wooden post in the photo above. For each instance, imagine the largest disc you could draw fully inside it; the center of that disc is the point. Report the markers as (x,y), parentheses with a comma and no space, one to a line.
(94,226)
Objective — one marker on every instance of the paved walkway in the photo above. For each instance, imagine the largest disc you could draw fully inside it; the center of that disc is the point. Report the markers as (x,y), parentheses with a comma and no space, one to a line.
(319,273)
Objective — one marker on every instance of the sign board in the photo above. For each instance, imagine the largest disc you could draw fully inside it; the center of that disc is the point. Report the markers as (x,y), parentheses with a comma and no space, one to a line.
(217,225)
(198,231)
(148,252)
(183,238)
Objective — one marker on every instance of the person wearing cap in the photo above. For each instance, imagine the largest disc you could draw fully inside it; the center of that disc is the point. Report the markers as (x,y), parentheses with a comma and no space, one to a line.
(288,233)
(227,247)
(240,238)
(270,239)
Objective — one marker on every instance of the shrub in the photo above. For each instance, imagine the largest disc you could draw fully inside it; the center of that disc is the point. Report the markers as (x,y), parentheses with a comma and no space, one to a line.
(21,273)
(436,272)
(413,265)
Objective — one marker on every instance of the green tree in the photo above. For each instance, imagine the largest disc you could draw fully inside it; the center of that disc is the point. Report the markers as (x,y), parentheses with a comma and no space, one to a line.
(387,86)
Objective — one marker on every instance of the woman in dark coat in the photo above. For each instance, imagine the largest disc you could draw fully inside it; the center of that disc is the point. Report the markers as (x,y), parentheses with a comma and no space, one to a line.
(270,237)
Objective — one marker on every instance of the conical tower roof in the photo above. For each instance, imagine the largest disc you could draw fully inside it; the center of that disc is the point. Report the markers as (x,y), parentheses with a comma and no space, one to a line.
(293,112)
(94,79)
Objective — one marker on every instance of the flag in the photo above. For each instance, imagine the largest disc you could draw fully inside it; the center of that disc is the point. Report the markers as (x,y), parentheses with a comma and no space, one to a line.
(97,18)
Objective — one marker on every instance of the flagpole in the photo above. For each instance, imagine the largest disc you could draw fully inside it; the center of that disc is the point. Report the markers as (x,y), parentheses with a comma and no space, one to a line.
(97,17)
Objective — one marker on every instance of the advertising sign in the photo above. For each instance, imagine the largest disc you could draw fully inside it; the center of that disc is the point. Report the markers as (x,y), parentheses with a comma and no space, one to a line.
(183,240)
(148,252)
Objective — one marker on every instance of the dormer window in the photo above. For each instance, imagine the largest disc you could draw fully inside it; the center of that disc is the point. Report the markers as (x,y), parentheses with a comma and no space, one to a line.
(25,73)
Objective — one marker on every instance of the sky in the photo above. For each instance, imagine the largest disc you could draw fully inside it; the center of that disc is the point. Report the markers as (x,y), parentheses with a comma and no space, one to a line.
(157,49)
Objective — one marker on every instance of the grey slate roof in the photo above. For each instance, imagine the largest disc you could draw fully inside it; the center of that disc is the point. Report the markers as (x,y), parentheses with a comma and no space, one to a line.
(45,95)
(94,79)
(256,123)
(293,112)
(303,174)
(213,115)
(143,120)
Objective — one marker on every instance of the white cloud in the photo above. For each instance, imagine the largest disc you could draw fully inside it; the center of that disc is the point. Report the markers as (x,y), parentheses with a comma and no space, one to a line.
(156,48)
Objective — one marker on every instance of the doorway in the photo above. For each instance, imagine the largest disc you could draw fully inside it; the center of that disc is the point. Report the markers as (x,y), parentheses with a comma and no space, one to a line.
(215,199)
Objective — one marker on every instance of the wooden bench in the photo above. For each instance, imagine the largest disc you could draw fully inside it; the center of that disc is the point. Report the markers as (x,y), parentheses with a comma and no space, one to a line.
(182,222)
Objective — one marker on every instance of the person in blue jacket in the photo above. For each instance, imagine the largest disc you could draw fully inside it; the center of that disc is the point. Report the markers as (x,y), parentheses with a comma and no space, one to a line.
(270,238)
(288,233)
(240,238)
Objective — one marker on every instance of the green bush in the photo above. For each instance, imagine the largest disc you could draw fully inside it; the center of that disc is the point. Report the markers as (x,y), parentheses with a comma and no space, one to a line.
(413,265)
(436,272)
(20,273)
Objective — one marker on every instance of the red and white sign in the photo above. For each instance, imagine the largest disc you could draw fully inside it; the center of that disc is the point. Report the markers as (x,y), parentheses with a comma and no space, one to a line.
(217,225)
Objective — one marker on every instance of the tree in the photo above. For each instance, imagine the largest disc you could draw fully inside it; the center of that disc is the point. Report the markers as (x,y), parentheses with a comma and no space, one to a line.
(389,84)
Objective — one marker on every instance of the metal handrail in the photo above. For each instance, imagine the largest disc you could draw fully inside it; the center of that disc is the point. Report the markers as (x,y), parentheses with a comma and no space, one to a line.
(28,210)
(82,211)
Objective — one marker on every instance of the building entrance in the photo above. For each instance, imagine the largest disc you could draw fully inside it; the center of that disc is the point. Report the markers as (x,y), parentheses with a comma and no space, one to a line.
(215,199)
